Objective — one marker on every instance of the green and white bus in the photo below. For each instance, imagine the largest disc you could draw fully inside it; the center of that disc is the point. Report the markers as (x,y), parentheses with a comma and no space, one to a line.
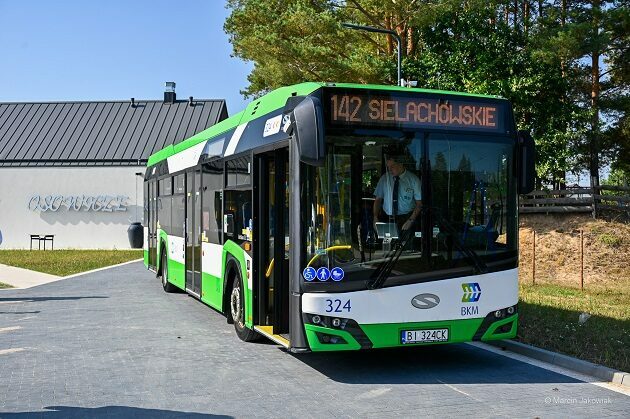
(291,219)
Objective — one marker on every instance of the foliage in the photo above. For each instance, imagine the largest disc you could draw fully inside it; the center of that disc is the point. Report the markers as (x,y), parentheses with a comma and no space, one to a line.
(542,55)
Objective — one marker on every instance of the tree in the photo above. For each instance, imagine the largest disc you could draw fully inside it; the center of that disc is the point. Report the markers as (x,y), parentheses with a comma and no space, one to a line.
(543,55)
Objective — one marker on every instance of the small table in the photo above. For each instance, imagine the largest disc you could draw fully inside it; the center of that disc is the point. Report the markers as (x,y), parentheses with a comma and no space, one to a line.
(45,238)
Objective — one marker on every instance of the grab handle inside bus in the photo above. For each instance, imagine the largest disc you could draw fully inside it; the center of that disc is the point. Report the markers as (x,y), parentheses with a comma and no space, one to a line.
(526,163)
(307,121)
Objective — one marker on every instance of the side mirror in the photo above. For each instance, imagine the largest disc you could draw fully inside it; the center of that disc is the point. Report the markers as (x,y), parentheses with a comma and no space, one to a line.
(307,120)
(526,164)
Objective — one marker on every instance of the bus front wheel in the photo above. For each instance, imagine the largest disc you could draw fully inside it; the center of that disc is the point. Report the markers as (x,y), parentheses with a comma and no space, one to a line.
(237,311)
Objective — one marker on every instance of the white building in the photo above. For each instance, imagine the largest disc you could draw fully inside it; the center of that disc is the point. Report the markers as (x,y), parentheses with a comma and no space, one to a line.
(75,170)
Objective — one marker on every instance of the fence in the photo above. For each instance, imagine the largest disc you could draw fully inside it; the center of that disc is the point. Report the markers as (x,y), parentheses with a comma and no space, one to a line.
(577,200)
(577,258)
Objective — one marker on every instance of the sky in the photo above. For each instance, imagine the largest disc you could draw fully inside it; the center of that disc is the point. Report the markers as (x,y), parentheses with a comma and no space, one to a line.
(114,50)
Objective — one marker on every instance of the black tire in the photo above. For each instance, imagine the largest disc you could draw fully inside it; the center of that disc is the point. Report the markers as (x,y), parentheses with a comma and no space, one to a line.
(237,311)
(168,287)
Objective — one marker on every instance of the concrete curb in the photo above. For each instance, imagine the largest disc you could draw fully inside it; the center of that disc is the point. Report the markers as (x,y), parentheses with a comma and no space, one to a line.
(104,268)
(584,367)
(35,278)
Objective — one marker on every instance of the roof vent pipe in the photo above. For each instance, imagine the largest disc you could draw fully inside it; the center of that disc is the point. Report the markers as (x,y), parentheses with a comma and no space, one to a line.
(133,102)
(190,101)
(169,92)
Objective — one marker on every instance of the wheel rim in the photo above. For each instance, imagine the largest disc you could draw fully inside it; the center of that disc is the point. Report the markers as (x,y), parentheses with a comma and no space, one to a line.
(235,305)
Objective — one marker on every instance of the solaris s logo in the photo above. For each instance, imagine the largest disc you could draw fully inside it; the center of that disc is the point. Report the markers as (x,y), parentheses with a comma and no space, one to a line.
(424,301)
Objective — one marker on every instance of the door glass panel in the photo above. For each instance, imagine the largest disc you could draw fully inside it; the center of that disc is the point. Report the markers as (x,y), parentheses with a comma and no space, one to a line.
(269,274)
(237,217)
(197,231)
(189,227)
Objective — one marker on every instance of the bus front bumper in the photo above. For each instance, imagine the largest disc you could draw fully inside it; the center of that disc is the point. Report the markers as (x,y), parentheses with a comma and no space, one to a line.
(346,334)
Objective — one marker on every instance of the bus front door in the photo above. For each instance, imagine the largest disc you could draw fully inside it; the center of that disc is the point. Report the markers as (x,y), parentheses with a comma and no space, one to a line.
(273,238)
(193,232)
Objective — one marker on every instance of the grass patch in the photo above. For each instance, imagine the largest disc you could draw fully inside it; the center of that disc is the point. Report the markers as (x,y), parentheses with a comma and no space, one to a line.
(549,319)
(610,240)
(66,262)
(3,285)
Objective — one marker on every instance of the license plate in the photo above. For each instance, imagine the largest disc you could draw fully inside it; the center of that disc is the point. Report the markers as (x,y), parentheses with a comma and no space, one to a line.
(424,336)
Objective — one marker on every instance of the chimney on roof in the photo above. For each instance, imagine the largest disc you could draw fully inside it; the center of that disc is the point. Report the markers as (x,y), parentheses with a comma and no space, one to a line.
(169,92)
(190,101)
(133,102)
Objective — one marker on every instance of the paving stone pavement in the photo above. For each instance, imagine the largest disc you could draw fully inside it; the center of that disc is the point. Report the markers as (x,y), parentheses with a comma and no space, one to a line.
(114,344)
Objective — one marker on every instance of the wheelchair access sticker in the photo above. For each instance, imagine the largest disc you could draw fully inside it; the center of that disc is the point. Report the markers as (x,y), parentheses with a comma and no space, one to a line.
(323,274)
(309,273)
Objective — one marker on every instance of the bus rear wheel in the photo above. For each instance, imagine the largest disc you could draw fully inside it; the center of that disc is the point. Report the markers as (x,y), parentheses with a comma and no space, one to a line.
(237,311)
(168,287)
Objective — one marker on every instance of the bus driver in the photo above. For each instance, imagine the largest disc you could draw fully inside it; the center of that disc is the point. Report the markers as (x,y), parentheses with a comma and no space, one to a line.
(398,194)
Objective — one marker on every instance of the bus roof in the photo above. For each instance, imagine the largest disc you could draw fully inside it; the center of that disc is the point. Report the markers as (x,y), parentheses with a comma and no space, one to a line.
(275,100)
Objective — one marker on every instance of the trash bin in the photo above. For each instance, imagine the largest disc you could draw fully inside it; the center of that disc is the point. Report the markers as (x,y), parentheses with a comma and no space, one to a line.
(135,232)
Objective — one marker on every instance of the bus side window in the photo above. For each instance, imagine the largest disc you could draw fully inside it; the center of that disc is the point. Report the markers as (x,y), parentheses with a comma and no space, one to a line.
(178,214)
(212,183)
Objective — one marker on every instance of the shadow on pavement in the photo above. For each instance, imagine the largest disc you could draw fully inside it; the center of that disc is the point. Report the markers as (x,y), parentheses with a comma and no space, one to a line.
(107,411)
(453,364)
(37,299)
(20,312)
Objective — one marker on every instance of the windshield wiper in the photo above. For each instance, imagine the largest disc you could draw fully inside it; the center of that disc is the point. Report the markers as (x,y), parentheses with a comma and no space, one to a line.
(385,268)
(480,266)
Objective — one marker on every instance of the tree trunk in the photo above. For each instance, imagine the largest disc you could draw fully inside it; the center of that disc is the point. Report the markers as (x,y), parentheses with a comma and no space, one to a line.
(515,14)
(595,90)
(525,16)
(563,22)
(411,43)
(390,41)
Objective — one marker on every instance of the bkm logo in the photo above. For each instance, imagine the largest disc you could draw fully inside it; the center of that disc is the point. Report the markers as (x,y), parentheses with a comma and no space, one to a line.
(472,292)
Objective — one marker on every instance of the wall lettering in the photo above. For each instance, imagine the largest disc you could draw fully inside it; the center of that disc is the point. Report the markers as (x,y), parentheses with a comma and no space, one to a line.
(79,203)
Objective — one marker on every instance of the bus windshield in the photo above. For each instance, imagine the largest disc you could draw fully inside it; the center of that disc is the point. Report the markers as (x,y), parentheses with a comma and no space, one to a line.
(404,207)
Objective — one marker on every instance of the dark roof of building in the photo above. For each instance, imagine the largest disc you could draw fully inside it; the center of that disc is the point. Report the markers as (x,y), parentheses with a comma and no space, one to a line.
(98,133)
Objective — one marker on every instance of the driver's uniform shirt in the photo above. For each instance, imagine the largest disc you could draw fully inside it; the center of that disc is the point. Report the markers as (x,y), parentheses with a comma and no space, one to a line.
(408,192)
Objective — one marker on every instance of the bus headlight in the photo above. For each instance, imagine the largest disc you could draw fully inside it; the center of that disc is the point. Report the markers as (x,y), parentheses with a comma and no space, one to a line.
(316,319)
(510,310)
(336,322)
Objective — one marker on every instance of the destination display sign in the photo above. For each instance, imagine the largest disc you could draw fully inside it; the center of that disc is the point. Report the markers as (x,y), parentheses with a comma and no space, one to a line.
(354,108)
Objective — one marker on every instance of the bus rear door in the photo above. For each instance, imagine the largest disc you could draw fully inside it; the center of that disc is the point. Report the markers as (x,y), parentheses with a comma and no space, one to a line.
(193,232)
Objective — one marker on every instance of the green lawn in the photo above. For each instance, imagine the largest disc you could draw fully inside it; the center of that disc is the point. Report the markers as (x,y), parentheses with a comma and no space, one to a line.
(66,262)
(3,285)
(549,319)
